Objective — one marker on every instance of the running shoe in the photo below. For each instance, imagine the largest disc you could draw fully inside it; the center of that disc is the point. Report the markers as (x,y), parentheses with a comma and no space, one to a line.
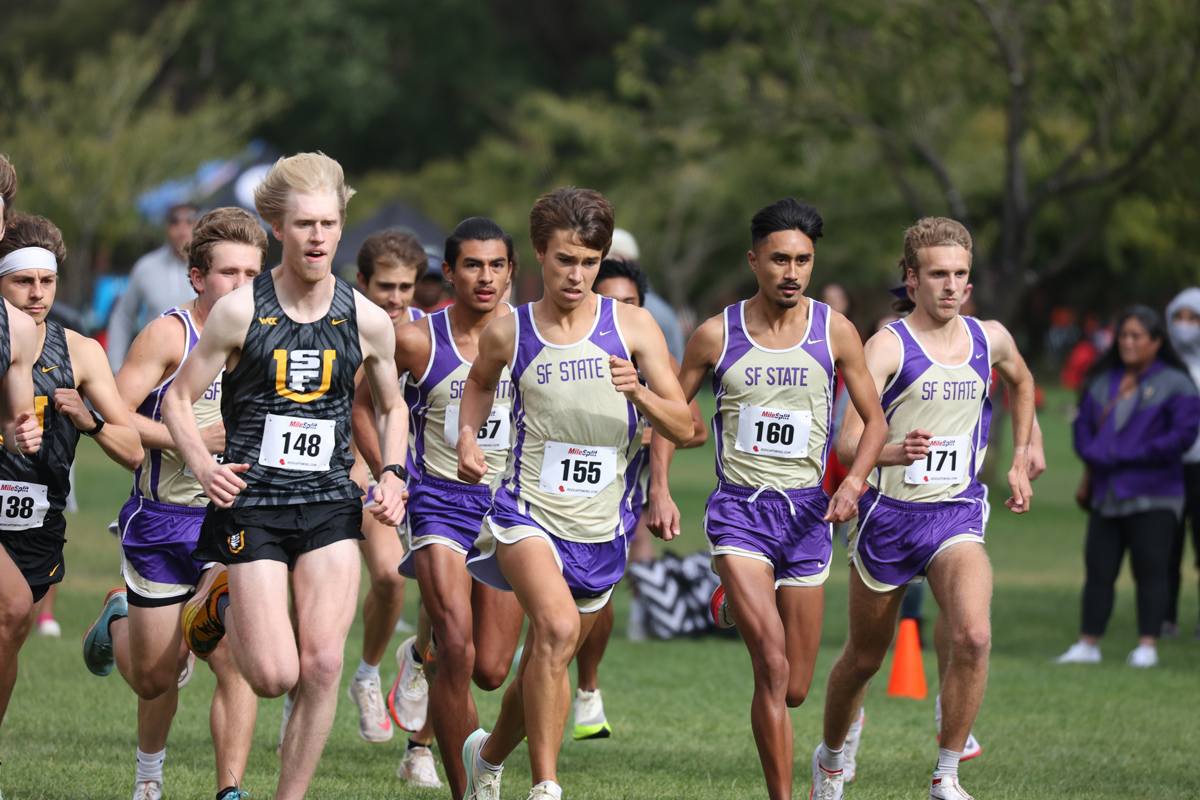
(971,749)
(148,790)
(373,723)
(234,794)
(1080,653)
(419,768)
(589,716)
(189,667)
(721,613)
(48,626)
(408,699)
(947,789)
(826,785)
(545,791)
(97,643)
(1143,656)
(202,627)
(850,748)
(482,784)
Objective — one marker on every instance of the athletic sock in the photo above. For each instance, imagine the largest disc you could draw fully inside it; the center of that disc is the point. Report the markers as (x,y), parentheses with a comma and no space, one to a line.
(289,703)
(551,787)
(481,764)
(150,765)
(832,760)
(947,766)
(413,744)
(222,606)
(366,671)
(417,657)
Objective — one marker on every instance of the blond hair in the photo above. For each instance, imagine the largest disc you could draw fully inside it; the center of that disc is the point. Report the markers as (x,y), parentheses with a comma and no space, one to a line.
(221,225)
(928,232)
(308,173)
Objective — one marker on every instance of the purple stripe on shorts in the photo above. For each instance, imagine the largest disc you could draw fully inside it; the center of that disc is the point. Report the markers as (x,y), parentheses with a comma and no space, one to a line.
(158,539)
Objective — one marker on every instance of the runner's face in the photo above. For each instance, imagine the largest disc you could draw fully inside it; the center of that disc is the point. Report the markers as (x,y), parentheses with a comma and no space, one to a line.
(481,274)
(31,290)
(569,269)
(783,264)
(620,289)
(391,288)
(179,228)
(944,281)
(232,264)
(1137,347)
(310,232)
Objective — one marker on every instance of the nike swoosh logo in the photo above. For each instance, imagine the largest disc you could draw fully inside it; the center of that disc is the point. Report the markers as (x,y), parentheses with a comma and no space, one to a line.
(606,333)
(56,566)
(980,355)
(47,369)
(815,341)
(972,530)
(339,321)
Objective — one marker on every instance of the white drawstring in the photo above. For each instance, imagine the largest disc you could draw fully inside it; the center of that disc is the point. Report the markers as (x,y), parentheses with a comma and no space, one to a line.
(754,497)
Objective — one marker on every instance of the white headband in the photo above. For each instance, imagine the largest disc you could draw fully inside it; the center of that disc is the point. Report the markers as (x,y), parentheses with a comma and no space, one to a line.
(28,258)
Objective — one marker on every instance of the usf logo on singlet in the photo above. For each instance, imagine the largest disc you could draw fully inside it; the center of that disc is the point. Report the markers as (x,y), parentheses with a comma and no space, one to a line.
(303,375)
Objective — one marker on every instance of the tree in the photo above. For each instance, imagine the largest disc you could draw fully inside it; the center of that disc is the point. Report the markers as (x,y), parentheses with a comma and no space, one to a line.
(87,145)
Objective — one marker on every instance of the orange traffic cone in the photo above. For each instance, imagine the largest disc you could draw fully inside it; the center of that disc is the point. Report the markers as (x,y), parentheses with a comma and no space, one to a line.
(908,674)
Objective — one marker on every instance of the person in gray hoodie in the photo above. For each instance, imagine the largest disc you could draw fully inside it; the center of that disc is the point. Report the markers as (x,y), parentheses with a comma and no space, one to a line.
(1183,326)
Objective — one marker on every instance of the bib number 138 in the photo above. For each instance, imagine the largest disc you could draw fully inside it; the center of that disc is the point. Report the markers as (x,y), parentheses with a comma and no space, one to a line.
(295,443)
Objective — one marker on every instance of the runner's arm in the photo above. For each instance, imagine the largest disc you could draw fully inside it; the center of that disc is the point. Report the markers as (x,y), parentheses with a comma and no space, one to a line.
(94,381)
(661,399)
(495,347)
(224,334)
(18,421)
(1011,366)
(864,399)
(152,357)
(882,354)
(391,416)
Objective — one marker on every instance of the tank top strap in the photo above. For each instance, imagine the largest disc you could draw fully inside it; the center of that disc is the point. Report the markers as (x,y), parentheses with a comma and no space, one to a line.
(981,347)
(527,345)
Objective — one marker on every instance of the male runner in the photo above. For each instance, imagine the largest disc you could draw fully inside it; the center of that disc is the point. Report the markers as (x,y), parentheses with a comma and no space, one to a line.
(390,263)
(476,627)
(160,523)
(65,369)
(769,521)
(625,282)
(291,343)
(555,534)
(924,512)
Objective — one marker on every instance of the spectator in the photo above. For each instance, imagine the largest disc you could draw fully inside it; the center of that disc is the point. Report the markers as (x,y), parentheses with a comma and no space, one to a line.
(1139,414)
(158,282)
(1183,324)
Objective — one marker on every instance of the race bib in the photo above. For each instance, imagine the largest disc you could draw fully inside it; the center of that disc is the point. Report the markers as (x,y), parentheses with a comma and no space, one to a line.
(945,463)
(492,436)
(22,505)
(295,443)
(577,470)
(773,432)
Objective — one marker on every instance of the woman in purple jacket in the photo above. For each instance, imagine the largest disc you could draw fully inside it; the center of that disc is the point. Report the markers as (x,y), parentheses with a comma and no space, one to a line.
(1138,415)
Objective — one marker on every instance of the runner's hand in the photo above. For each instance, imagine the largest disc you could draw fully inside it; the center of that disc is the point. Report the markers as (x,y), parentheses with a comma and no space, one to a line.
(214,437)
(843,506)
(221,482)
(624,377)
(916,446)
(28,433)
(662,516)
(389,500)
(1018,481)
(472,465)
(68,403)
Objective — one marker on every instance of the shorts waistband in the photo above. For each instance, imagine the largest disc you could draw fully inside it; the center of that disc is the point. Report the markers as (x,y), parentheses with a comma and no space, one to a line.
(873,495)
(168,508)
(764,492)
(481,489)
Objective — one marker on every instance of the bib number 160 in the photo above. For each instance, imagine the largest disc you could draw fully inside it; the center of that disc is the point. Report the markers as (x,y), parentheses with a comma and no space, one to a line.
(775,432)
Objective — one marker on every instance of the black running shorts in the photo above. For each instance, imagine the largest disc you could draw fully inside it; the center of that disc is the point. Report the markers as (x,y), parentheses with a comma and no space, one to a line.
(38,553)
(276,533)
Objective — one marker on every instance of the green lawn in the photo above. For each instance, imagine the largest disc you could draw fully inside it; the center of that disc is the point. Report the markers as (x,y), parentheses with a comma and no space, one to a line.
(680,710)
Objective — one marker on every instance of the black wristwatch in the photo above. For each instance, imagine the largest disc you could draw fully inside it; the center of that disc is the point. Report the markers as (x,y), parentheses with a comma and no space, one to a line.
(397,470)
(95,430)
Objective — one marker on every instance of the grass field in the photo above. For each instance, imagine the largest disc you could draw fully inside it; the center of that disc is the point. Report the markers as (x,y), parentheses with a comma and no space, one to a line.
(680,710)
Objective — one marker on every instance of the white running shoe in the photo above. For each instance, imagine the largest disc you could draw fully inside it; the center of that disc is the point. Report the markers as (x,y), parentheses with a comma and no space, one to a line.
(546,791)
(971,749)
(48,626)
(1080,653)
(373,723)
(590,722)
(148,790)
(189,667)
(408,700)
(1144,655)
(826,785)
(419,768)
(482,784)
(850,748)
(947,789)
